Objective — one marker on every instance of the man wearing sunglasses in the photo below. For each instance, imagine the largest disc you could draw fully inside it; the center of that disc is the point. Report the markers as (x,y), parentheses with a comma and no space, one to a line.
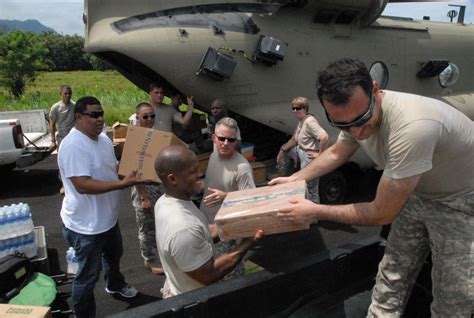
(227,171)
(218,111)
(308,141)
(144,197)
(90,207)
(426,149)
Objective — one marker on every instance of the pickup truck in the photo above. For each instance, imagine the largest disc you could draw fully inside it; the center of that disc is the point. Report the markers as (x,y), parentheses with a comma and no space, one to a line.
(24,138)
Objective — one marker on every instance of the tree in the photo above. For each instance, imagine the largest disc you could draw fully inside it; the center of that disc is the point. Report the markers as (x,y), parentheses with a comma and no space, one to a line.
(67,52)
(22,54)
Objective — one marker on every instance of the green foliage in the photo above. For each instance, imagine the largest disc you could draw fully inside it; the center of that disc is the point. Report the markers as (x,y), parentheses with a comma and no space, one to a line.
(117,95)
(66,52)
(21,56)
(97,63)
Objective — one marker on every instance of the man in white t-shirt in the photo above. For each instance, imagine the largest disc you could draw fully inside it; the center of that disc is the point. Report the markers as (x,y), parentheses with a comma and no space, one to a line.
(183,237)
(426,149)
(90,207)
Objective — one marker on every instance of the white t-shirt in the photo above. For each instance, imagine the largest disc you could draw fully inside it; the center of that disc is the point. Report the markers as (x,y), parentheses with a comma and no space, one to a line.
(81,156)
(183,240)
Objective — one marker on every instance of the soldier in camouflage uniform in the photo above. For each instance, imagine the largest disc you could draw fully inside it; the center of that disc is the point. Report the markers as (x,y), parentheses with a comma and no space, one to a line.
(426,149)
(144,198)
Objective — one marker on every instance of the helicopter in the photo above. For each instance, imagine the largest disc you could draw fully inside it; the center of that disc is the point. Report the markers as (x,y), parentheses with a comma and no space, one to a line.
(258,55)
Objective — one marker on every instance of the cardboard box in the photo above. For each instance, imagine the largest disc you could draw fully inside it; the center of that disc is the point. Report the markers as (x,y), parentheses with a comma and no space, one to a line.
(16,311)
(118,147)
(258,172)
(203,161)
(247,151)
(244,212)
(119,130)
(141,148)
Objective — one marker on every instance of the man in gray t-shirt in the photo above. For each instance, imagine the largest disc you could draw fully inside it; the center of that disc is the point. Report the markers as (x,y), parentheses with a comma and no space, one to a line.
(426,149)
(183,237)
(167,114)
(227,171)
(61,117)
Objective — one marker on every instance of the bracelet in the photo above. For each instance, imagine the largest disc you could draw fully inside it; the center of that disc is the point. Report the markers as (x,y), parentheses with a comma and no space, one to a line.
(282,149)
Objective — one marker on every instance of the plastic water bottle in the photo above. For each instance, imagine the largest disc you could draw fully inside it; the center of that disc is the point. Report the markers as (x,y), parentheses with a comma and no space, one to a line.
(2,222)
(71,260)
(25,215)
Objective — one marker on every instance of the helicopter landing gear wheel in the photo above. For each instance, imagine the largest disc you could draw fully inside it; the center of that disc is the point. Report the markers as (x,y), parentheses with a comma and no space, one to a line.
(332,188)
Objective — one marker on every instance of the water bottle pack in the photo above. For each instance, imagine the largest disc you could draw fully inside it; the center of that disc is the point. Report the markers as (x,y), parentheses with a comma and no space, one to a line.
(72,262)
(16,230)
(15,220)
(23,244)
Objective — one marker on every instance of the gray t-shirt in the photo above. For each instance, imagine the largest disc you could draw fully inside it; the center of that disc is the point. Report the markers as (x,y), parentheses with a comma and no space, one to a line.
(226,175)
(165,115)
(63,115)
(421,135)
(308,133)
(183,240)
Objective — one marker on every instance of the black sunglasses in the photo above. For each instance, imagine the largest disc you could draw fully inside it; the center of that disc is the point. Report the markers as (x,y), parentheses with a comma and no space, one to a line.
(295,108)
(94,115)
(359,121)
(229,139)
(150,116)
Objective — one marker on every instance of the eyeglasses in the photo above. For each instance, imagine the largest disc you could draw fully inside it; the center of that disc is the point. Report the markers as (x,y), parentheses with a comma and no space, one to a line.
(229,139)
(94,115)
(296,108)
(359,121)
(151,116)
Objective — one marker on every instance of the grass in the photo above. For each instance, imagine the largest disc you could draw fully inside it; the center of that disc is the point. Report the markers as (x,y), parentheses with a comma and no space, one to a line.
(117,95)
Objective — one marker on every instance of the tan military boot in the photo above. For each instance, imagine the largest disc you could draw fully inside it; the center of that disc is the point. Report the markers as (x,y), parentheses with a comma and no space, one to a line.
(154,267)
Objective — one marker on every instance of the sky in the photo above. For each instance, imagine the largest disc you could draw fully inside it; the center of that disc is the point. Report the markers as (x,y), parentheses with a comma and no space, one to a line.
(66,16)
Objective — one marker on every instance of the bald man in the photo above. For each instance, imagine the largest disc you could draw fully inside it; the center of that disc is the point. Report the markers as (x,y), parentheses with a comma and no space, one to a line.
(184,240)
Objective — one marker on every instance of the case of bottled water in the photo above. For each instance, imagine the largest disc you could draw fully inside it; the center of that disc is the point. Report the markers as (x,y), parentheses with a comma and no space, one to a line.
(16,230)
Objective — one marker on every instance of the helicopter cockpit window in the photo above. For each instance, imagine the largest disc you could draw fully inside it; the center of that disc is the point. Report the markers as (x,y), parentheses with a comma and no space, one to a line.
(223,17)
(449,75)
(379,73)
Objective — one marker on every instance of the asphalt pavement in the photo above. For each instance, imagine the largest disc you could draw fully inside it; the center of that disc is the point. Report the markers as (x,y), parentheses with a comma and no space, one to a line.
(39,186)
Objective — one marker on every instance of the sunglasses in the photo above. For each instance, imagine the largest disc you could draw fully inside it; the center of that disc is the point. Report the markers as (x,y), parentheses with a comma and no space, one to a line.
(148,116)
(359,121)
(296,108)
(229,139)
(94,115)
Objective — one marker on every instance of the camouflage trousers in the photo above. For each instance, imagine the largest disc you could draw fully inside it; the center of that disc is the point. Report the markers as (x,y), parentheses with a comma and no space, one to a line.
(313,185)
(222,247)
(289,164)
(146,221)
(445,228)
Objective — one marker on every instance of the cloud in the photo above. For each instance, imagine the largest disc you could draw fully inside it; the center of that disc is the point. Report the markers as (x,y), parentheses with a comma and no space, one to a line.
(63,16)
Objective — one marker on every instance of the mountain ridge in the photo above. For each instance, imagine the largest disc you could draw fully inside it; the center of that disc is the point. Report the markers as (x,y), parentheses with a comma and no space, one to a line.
(30,25)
